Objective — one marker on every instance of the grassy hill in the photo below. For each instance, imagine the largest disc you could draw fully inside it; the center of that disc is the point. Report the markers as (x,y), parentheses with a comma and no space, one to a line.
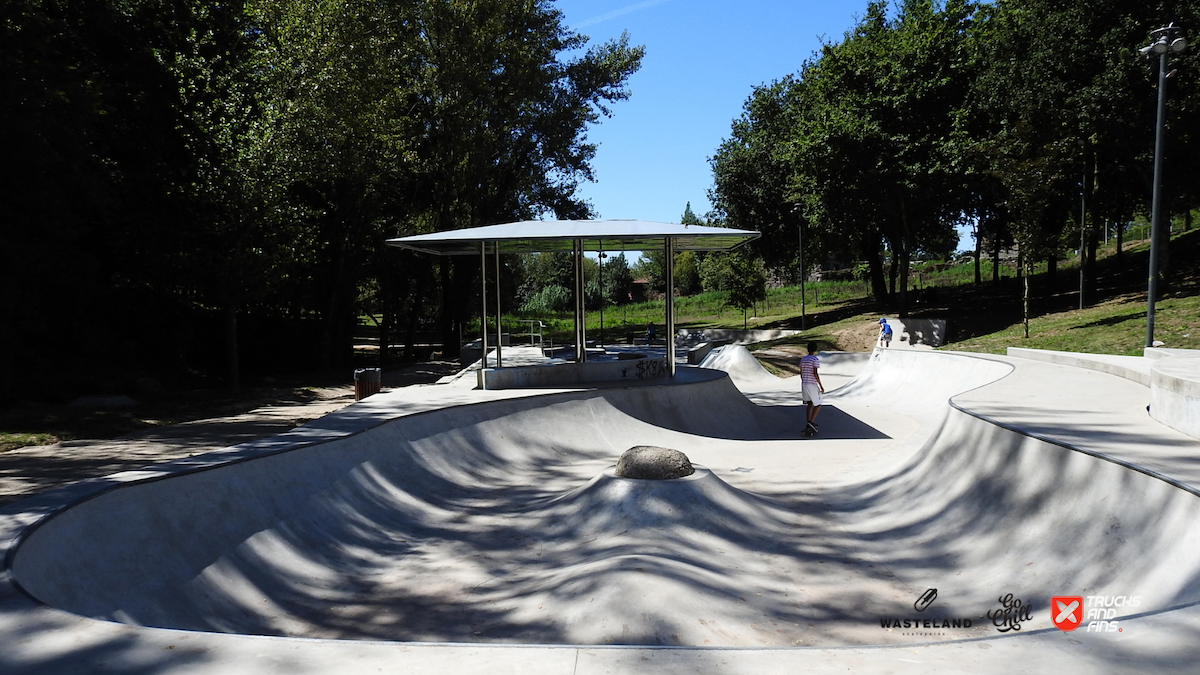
(988,317)
(985,318)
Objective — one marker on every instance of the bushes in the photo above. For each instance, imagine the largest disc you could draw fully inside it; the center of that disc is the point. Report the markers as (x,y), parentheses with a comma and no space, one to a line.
(551,298)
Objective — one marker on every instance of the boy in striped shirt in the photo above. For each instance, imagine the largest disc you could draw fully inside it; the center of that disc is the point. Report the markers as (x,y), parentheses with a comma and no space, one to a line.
(811,387)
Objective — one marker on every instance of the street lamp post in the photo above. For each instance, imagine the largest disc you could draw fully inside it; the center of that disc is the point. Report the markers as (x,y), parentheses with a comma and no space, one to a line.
(1163,40)
(600,262)
(1082,219)
(803,295)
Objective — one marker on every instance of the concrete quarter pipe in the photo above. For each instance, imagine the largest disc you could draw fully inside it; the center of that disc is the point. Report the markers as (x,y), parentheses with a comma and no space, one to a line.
(485,532)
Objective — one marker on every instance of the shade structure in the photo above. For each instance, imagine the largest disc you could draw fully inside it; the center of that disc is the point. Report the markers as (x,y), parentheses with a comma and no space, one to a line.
(534,236)
(541,236)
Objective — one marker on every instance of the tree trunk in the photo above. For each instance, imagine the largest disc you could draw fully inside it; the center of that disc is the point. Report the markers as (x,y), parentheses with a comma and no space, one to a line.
(1025,303)
(996,261)
(978,247)
(1120,244)
(232,363)
(905,259)
(875,268)
(449,336)
(893,270)
(1090,272)
(386,303)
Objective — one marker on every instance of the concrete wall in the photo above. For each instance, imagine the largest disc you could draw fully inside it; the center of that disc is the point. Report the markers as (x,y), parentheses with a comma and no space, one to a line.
(1133,368)
(737,337)
(572,374)
(1175,394)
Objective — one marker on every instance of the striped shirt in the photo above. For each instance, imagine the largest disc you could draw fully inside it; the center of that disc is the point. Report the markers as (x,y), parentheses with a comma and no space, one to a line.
(808,369)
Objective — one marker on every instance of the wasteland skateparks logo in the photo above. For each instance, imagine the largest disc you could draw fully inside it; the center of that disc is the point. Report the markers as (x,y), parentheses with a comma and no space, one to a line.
(1070,611)
(925,625)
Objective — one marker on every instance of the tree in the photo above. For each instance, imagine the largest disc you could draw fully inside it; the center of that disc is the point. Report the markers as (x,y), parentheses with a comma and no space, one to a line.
(737,273)
(618,280)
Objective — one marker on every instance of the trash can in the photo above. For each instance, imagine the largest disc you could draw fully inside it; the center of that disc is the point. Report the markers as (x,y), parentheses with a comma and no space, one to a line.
(366,382)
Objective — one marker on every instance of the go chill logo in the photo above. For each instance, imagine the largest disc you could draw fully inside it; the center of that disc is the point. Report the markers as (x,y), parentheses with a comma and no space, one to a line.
(1069,612)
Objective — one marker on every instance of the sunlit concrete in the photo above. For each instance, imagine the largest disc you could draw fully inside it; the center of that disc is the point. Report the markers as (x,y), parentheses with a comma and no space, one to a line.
(445,529)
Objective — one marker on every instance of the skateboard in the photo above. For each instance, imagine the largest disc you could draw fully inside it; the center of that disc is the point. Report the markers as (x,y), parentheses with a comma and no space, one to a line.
(810,430)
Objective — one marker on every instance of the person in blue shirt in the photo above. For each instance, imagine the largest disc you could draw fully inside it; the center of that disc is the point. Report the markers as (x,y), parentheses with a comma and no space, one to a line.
(885,333)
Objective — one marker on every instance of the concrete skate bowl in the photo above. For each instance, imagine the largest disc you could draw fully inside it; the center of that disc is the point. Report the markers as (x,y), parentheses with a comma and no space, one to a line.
(502,523)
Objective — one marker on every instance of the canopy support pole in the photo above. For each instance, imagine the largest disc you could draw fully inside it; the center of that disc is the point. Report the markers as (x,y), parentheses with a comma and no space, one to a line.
(580,316)
(483,307)
(499,328)
(669,335)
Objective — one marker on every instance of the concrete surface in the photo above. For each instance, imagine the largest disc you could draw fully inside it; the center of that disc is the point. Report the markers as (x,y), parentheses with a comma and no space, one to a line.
(1175,394)
(1173,376)
(545,375)
(446,529)
(1135,368)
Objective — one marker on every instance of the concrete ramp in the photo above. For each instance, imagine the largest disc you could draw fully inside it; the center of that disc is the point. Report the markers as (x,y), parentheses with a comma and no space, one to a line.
(501,523)
(741,365)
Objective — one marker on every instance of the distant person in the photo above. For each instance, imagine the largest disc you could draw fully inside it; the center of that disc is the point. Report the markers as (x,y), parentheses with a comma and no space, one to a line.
(649,333)
(811,387)
(885,333)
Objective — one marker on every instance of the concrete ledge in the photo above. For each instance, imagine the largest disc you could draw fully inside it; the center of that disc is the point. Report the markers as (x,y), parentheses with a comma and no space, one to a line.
(697,354)
(573,374)
(1134,368)
(737,337)
(1166,352)
(1175,394)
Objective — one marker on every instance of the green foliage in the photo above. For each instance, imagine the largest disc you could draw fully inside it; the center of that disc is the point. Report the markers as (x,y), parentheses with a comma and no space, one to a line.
(687,273)
(243,163)
(716,272)
(548,299)
(618,280)
(739,275)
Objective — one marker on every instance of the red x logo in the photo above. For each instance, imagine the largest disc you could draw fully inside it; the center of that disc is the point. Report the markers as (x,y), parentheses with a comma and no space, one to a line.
(1066,611)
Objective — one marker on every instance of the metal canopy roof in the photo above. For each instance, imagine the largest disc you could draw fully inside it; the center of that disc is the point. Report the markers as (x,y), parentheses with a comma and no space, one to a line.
(560,235)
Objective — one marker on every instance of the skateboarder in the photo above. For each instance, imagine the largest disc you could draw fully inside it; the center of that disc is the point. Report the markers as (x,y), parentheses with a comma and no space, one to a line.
(885,333)
(811,387)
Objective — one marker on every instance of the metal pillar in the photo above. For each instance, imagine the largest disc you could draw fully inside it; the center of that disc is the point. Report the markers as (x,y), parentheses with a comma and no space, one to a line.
(1168,39)
(600,263)
(1156,203)
(483,306)
(803,295)
(499,328)
(669,333)
(1082,235)
(580,316)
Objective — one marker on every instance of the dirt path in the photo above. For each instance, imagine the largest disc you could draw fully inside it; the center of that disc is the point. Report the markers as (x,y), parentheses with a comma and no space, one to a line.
(27,471)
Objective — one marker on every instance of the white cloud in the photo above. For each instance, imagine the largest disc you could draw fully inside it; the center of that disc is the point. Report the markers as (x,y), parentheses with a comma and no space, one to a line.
(620,12)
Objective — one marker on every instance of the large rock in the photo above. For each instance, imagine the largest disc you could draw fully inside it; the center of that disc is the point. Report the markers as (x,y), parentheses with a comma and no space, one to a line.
(650,462)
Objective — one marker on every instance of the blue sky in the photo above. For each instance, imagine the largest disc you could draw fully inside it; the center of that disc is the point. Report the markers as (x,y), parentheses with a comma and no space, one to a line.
(703,59)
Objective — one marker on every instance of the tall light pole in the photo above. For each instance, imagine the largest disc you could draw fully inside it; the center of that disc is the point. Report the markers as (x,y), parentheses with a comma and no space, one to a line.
(1163,40)
(600,262)
(803,295)
(1082,220)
